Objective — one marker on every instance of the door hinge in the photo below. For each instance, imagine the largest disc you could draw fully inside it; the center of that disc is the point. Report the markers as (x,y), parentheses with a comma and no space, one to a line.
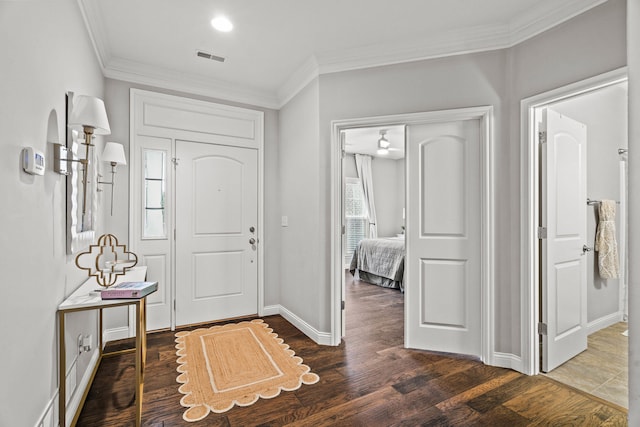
(342,305)
(542,137)
(542,328)
(542,232)
(344,229)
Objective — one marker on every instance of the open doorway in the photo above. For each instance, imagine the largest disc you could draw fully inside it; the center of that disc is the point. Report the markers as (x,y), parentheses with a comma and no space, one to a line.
(442,145)
(599,365)
(373,188)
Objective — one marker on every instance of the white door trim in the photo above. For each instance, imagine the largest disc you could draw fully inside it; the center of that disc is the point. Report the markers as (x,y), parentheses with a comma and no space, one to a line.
(485,115)
(529,164)
(249,125)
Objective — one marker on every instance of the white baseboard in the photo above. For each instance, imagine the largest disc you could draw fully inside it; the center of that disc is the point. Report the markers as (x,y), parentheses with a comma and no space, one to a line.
(49,417)
(511,361)
(74,403)
(322,338)
(116,334)
(271,310)
(507,360)
(604,321)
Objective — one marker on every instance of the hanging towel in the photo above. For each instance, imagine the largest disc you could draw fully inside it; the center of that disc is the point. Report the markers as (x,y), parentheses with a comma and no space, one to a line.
(606,245)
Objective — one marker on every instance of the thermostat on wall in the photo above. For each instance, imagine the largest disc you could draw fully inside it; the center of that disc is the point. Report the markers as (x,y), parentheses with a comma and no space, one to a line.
(33,161)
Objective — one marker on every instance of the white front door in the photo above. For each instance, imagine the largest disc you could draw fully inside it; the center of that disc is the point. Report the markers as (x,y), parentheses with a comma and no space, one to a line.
(216,232)
(443,276)
(564,266)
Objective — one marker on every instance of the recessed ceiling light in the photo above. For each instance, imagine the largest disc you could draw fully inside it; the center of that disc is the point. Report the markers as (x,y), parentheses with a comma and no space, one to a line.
(222,23)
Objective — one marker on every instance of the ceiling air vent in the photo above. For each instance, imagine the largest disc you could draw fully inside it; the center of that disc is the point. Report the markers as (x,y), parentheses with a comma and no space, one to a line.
(207,55)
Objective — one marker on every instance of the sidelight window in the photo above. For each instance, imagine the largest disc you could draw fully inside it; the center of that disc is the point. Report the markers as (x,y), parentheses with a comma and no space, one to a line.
(155,183)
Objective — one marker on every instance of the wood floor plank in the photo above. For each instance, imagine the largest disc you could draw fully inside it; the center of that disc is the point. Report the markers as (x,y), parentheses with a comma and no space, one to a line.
(477,391)
(368,380)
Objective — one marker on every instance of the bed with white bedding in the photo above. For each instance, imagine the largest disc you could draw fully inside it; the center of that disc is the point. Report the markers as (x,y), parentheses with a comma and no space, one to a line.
(380,261)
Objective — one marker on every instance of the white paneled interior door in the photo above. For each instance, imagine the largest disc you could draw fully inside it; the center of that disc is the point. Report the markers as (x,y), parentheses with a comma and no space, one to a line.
(444,278)
(216,232)
(564,214)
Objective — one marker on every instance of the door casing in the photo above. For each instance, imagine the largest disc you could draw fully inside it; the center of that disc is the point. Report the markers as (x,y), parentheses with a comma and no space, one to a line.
(485,115)
(239,127)
(530,208)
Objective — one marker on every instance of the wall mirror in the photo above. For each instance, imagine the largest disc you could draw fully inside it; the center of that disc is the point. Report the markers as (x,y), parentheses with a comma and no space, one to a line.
(81,190)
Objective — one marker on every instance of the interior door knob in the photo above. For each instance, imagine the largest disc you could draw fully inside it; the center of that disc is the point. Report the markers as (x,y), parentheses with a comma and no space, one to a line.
(586,249)
(252,241)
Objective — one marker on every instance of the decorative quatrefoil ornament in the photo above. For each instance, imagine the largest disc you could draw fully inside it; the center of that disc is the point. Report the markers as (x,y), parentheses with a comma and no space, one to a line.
(106,260)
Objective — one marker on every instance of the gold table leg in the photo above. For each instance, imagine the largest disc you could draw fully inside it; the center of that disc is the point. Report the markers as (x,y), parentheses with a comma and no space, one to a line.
(141,355)
(62,375)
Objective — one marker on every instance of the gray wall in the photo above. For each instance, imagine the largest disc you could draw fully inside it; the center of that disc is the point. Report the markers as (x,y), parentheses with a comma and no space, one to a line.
(46,52)
(388,192)
(304,276)
(502,78)
(605,114)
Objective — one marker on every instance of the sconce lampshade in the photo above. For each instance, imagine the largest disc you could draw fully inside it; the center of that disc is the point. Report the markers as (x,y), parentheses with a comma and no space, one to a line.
(114,153)
(89,111)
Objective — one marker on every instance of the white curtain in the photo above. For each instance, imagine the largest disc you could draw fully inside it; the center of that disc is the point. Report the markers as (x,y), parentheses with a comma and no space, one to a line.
(363,166)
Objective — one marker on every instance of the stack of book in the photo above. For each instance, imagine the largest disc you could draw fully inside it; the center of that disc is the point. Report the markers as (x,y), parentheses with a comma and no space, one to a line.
(127,290)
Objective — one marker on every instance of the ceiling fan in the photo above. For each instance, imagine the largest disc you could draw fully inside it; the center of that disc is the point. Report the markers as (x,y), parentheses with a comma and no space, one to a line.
(384,146)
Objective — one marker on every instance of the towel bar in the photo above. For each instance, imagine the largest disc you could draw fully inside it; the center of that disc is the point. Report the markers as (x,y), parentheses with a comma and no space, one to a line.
(595,202)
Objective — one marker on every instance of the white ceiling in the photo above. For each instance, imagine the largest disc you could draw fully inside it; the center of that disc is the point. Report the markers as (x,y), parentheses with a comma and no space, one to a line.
(278,46)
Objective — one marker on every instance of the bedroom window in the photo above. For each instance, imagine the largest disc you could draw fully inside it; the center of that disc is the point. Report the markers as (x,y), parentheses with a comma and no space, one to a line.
(355,216)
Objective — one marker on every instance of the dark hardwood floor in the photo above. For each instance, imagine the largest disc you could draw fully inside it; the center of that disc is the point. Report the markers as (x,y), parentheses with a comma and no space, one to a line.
(369,380)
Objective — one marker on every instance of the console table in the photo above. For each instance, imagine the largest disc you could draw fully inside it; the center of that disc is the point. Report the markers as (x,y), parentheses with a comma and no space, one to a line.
(86,298)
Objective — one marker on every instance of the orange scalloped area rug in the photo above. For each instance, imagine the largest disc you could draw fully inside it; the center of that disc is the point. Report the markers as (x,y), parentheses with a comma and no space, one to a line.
(235,364)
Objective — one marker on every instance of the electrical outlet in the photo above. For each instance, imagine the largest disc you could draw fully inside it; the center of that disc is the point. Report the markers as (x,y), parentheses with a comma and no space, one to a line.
(87,343)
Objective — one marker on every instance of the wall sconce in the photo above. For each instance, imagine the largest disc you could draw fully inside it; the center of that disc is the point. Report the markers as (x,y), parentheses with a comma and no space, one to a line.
(114,154)
(89,114)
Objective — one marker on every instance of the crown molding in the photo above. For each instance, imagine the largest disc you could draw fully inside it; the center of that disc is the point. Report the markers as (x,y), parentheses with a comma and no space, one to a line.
(451,43)
(478,39)
(136,72)
(95,29)
(298,80)
(537,21)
